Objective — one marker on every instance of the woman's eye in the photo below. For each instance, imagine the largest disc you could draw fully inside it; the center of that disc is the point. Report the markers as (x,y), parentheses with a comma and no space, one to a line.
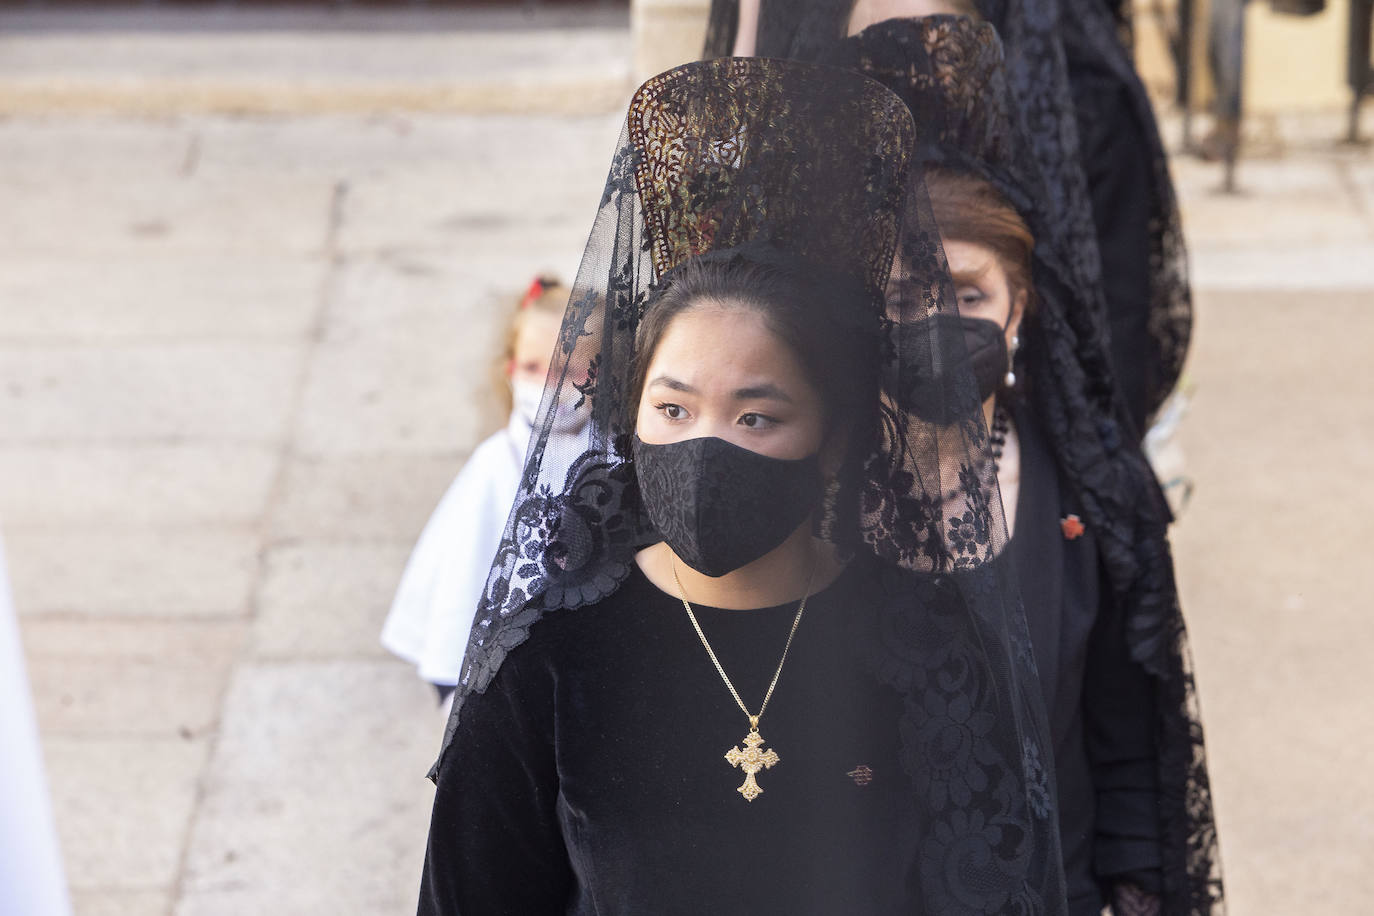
(757,421)
(971,296)
(672,411)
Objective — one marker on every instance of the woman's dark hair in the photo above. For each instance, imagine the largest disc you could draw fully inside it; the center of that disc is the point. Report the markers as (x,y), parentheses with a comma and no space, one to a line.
(830,325)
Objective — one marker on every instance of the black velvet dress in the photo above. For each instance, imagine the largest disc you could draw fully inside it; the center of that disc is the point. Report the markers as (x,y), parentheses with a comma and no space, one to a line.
(1100,702)
(590,776)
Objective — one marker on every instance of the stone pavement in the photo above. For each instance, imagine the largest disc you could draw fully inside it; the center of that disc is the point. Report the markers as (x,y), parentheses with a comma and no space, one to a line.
(241,357)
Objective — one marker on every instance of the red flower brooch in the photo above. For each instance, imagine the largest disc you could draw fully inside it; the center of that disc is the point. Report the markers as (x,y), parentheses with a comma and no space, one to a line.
(1072,526)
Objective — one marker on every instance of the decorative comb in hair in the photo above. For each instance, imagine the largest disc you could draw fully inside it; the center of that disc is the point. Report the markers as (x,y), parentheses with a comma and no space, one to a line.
(804,161)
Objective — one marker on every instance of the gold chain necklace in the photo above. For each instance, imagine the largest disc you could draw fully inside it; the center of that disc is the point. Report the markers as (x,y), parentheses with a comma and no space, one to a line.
(752,759)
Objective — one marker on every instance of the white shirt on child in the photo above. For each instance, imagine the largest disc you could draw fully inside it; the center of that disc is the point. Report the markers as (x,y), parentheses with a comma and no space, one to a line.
(436,601)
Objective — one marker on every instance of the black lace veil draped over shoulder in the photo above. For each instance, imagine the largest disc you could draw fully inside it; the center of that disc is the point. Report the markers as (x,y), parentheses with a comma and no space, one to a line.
(971,117)
(809,169)
(1096,38)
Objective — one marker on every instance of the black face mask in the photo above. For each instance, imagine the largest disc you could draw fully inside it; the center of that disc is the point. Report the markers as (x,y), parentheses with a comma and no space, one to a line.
(719,506)
(922,384)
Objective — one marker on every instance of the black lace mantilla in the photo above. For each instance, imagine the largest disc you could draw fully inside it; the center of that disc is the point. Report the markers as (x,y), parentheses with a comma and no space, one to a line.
(703,154)
(749,158)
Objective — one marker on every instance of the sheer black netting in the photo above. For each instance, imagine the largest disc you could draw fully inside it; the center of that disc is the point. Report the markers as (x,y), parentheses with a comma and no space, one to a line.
(978,113)
(809,170)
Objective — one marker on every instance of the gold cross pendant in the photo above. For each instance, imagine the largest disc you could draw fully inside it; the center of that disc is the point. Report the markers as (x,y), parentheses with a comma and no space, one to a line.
(751,760)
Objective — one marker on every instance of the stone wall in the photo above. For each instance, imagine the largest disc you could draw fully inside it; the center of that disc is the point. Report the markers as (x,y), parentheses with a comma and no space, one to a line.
(666,33)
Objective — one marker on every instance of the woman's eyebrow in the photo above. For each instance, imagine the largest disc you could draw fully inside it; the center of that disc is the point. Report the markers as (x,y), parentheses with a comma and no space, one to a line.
(671,383)
(970,273)
(765,391)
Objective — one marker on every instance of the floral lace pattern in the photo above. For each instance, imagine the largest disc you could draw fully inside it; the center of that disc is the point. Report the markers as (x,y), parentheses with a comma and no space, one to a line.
(992,844)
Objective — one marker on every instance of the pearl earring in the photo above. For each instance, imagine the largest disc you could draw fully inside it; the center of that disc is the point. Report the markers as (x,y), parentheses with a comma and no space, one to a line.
(1009,380)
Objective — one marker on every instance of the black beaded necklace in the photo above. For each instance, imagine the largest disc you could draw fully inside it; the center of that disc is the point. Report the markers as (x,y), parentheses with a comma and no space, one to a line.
(997,435)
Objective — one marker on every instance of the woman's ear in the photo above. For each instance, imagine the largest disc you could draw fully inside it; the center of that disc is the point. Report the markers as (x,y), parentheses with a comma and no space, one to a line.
(1019,301)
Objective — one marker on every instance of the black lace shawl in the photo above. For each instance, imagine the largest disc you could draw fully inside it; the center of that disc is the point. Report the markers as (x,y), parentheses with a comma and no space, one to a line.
(1095,36)
(952,74)
(807,167)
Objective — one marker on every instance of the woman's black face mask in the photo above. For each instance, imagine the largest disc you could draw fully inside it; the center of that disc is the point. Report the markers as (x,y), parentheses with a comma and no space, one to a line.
(719,506)
(931,348)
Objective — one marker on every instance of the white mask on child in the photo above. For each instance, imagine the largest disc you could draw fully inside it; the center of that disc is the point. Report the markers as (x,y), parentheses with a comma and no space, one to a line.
(527,396)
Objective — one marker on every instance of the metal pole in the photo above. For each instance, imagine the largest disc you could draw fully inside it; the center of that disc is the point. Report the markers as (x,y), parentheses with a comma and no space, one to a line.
(1358,70)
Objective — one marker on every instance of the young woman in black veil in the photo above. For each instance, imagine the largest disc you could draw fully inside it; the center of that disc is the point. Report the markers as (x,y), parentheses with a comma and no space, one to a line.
(1089,525)
(1090,129)
(755,652)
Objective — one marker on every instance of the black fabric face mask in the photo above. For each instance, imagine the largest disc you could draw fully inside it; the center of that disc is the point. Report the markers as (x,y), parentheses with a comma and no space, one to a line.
(923,386)
(720,506)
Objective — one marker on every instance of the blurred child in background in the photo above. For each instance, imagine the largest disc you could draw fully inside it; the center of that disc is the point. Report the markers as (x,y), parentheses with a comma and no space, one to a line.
(432,612)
